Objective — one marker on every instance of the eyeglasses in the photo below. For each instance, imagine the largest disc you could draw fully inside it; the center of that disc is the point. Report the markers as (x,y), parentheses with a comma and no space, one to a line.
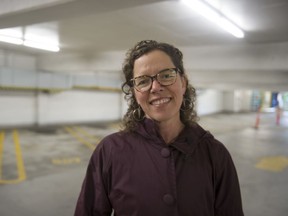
(164,77)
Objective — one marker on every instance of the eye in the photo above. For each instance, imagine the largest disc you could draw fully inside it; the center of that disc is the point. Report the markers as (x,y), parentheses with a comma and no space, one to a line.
(168,74)
(141,81)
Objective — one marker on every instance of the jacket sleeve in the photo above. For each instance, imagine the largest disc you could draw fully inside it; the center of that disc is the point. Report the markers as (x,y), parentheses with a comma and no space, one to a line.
(93,199)
(227,190)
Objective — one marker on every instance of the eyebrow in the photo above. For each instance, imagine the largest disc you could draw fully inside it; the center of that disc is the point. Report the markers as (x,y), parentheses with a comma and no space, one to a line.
(156,72)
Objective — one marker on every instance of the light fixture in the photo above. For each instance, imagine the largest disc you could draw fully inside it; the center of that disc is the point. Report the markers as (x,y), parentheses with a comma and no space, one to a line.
(16,36)
(215,16)
(43,46)
(12,40)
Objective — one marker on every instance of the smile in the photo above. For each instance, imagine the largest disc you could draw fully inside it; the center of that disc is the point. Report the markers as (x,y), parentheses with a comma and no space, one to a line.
(160,101)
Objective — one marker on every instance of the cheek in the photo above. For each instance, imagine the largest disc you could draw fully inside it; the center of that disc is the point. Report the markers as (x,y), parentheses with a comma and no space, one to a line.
(140,97)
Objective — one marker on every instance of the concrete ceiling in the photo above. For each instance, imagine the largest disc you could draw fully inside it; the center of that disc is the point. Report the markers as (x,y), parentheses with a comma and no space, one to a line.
(93,26)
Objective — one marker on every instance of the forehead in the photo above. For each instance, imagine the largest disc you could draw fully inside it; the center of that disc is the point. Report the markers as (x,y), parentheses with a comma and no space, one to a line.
(152,62)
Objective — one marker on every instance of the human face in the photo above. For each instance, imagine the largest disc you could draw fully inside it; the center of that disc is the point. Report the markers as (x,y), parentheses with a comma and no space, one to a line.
(160,103)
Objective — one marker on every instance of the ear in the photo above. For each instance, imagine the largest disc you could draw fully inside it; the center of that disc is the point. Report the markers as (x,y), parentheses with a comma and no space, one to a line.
(184,83)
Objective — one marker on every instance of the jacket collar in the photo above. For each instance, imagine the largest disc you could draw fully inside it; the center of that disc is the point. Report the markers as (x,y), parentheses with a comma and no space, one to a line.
(186,142)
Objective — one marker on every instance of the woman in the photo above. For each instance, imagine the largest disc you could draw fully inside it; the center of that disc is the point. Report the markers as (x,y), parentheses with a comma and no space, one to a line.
(162,163)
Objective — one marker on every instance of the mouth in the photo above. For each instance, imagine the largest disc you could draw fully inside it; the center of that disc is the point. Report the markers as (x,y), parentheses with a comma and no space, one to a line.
(160,101)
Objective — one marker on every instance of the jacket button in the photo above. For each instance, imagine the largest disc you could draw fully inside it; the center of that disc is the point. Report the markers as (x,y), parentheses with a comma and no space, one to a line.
(168,199)
(165,152)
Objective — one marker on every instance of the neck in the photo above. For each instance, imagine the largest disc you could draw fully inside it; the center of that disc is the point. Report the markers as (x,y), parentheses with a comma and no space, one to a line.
(170,130)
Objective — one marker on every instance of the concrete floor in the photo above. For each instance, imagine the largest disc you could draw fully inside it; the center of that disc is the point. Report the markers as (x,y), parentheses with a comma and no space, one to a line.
(42,169)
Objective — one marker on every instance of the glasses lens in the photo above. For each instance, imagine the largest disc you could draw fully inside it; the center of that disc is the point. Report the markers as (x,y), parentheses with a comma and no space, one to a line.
(142,83)
(167,77)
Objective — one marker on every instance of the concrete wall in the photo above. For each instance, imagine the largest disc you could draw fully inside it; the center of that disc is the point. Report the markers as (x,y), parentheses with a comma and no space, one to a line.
(17,60)
(28,108)
(209,101)
(237,101)
(39,108)
(17,109)
(78,106)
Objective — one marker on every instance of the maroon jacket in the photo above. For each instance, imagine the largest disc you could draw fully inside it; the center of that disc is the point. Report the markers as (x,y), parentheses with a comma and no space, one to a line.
(137,174)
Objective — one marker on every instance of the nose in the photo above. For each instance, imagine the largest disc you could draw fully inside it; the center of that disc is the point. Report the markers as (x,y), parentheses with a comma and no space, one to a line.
(156,86)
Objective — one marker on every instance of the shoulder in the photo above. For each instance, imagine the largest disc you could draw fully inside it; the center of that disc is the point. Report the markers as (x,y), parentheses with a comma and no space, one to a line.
(197,134)
(205,137)
(104,151)
(114,143)
(207,143)
(116,140)
(114,149)
(216,153)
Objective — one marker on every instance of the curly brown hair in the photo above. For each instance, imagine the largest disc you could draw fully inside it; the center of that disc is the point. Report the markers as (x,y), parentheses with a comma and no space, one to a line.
(188,113)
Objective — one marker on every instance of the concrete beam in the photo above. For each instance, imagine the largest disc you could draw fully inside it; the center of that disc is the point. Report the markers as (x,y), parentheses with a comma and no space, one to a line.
(61,9)
(271,57)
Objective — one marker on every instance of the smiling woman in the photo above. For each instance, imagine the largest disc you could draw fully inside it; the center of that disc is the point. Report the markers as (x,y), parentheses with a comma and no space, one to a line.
(162,162)
(173,59)
(162,102)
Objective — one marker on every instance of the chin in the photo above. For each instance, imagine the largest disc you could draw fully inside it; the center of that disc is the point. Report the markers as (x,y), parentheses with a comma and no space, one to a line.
(159,118)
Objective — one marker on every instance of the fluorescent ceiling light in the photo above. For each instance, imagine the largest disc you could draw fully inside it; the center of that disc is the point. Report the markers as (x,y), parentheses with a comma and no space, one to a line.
(215,16)
(31,37)
(43,46)
(12,40)
(38,45)
(11,35)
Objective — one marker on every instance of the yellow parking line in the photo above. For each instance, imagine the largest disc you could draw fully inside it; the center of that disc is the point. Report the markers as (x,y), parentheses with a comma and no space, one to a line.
(66,161)
(2,135)
(274,163)
(80,139)
(97,139)
(19,159)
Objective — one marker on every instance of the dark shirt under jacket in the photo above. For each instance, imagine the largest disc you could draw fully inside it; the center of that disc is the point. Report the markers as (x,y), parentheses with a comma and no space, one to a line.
(137,174)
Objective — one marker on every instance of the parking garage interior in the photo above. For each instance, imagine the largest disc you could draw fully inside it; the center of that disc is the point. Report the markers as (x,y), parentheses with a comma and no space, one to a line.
(57,105)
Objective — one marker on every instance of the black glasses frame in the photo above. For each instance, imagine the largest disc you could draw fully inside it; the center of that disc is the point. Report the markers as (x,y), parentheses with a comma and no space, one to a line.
(154,77)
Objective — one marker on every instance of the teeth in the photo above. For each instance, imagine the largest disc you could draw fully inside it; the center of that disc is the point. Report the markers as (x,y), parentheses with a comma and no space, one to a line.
(162,101)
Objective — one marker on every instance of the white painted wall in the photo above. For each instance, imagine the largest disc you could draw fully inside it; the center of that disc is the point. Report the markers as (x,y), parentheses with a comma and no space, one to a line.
(78,106)
(271,57)
(124,106)
(109,61)
(243,100)
(209,101)
(2,58)
(17,60)
(228,101)
(237,101)
(59,62)
(17,109)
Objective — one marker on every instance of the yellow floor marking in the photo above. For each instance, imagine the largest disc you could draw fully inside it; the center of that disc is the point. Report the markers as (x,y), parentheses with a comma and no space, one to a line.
(274,164)
(20,163)
(97,139)
(2,135)
(66,161)
(116,126)
(19,160)
(79,138)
